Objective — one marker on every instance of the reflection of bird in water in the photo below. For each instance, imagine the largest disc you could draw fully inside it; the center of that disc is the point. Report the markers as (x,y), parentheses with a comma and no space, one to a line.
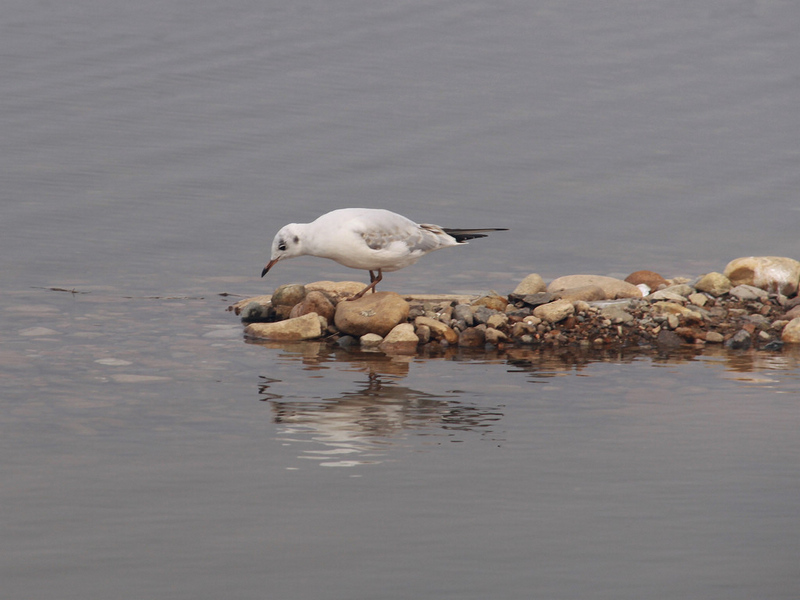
(360,422)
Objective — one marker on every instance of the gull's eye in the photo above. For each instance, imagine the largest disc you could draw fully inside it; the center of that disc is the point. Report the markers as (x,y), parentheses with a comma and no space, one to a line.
(282,246)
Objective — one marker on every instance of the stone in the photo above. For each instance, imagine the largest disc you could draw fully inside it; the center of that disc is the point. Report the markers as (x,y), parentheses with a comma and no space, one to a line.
(370,340)
(534,299)
(673,308)
(714,337)
(288,295)
(668,339)
(306,327)
(792,313)
(265,301)
(555,311)
(497,321)
(256,311)
(771,273)
(400,340)
(493,301)
(649,278)
(532,284)
(373,313)
(336,291)
(791,332)
(666,295)
(472,337)
(482,314)
(495,336)
(317,302)
(438,329)
(714,283)
(739,341)
(698,299)
(680,289)
(423,334)
(616,315)
(463,312)
(584,293)
(748,292)
(612,288)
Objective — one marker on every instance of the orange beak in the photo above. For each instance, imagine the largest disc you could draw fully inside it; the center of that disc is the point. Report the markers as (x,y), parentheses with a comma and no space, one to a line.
(269,266)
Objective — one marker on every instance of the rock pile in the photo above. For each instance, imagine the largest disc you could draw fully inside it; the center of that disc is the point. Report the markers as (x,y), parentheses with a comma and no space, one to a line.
(752,303)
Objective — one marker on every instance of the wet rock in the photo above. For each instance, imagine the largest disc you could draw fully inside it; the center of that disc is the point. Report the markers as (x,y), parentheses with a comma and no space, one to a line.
(714,337)
(532,284)
(668,339)
(472,337)
(612,288)
(495,336)
(649,278)
(791,332)
(400,340)
(373,313)
(748,292)
(771,273)
(288,295)
(714,283)
(493,301)
(370,340)
(740,340)
(584,293)
(306,327)
(255,311)
(317,302)
(423,334)
(555,311)
(438,329)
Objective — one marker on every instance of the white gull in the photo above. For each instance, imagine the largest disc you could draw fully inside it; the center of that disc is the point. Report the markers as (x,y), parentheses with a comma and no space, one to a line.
(366,238)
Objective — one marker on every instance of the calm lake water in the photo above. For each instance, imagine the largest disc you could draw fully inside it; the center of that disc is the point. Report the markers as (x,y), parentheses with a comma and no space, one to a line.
(151,150)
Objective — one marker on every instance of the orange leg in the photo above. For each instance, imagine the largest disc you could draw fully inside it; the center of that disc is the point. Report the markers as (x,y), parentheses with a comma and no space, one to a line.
(373,281)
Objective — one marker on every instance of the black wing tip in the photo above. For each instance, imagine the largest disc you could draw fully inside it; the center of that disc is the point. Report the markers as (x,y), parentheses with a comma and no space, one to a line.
(462,235)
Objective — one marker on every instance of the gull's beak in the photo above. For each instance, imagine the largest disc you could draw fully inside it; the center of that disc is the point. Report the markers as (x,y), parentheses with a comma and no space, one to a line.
(269,266)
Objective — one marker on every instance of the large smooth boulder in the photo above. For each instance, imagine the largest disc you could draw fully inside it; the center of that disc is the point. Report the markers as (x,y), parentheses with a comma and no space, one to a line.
(373,313)
(771,273)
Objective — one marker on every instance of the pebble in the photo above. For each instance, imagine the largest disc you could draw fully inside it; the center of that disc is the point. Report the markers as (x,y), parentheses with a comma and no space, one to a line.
(555,311)
(714,283)
(743,317)
(652,280)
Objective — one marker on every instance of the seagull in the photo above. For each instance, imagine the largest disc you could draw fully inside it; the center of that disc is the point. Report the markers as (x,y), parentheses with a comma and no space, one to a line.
(373,239)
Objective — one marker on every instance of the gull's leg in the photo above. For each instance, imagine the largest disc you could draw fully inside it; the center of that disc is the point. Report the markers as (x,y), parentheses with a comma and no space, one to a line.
(373,281)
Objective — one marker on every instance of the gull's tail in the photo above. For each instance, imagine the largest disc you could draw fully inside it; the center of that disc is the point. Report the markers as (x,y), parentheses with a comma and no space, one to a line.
(462,235)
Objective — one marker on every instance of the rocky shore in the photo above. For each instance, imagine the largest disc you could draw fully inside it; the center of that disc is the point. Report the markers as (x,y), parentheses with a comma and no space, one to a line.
(752,303)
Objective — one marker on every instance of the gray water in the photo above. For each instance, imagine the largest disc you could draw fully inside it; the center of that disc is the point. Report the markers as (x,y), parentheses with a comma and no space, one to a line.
(150,151)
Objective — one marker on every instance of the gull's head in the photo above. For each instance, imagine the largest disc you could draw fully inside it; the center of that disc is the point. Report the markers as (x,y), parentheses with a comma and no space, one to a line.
(287,244)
